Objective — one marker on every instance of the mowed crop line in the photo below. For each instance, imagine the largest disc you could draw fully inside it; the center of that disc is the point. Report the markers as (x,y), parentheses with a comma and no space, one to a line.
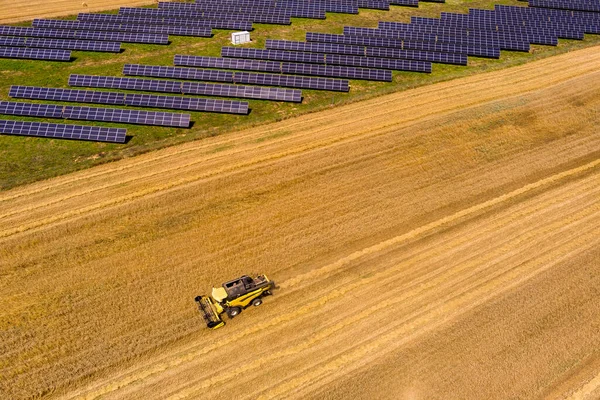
(479,266)
(425,103)
(381,112)
(23,11)
(563,233)
(589,188)
(465,250)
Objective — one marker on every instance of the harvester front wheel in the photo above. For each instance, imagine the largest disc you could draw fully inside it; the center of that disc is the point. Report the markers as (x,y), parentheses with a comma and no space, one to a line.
(257,302)
(233,311)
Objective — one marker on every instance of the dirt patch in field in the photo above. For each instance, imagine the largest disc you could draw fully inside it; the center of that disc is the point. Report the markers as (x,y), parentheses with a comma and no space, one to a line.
(405,231)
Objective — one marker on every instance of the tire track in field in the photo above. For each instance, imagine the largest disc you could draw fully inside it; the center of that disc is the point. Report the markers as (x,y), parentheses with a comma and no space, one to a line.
(468,301)
(295,282)
(468,277)
(447,248)
(589,391)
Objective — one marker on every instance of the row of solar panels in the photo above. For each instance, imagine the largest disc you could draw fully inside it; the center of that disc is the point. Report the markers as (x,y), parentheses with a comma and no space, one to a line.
(95,114)
(579,5)
(63,131)
(65,44)
(125,37)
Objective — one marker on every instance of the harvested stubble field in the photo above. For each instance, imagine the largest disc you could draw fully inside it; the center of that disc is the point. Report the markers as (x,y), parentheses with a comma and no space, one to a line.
(16,11)
(443,240)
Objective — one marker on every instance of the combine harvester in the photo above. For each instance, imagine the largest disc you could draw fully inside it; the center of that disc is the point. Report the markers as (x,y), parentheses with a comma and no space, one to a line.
(232,297)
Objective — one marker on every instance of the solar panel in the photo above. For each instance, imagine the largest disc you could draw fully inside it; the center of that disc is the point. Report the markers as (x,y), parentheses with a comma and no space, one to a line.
(241,91)
(338,72)
(566,5)
(198,31)
(224,8)
(177,72)
(12,41)
(407,3)
(138,117)
(524,29)
(470,50)
(405,44)
(580,15)
(81,34)
(31,110)
(153,85)
(253,3)
(35,54)
(187,103)
(190,14)
(127,19)
(95,114)
(227,63)
(276,55)
(337,85)
(444,58)
(70,44)
(62,131)
(383,63)
(374,4)
(313,47)
(298,12)
(503,43)
(69,95)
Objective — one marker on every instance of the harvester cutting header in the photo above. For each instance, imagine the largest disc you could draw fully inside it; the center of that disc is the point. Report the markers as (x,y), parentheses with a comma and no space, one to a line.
(232,297)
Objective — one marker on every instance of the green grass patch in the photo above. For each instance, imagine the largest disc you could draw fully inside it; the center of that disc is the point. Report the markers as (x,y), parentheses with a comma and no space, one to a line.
(26,160)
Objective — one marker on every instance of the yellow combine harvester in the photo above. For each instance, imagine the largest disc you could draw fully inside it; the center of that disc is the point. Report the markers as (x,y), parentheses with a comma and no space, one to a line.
(232,297)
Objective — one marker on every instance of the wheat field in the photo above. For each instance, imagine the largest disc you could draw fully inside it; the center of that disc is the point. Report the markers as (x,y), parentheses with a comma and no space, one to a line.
(26,11)
(440,240)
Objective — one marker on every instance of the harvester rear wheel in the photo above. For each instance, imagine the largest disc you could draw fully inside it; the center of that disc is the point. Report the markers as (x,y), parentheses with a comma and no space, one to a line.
(233,311)
(257,302)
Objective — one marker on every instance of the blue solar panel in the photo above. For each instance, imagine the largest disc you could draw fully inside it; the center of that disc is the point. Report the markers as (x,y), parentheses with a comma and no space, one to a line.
(384,63)
(313,47)
(141,100)
(404,44)
(191,14)
(87,35)
(177,72)
(62,131)
(374,4)
(407,3)
(227,63)
(70,95)
(187,103)
(275,55)
(476,41)
(35,54)
(337,85)
(522,28)
(585,5)
(338,72)
(12,41)
(299,12)
(164,86)
(444,58)
(95,114)
(71,44)
(198,31)
(127,19)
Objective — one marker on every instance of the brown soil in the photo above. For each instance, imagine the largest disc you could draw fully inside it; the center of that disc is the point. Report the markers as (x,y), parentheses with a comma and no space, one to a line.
(438,241)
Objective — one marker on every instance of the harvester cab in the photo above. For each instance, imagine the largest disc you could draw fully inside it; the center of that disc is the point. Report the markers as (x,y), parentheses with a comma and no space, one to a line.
(232,297)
